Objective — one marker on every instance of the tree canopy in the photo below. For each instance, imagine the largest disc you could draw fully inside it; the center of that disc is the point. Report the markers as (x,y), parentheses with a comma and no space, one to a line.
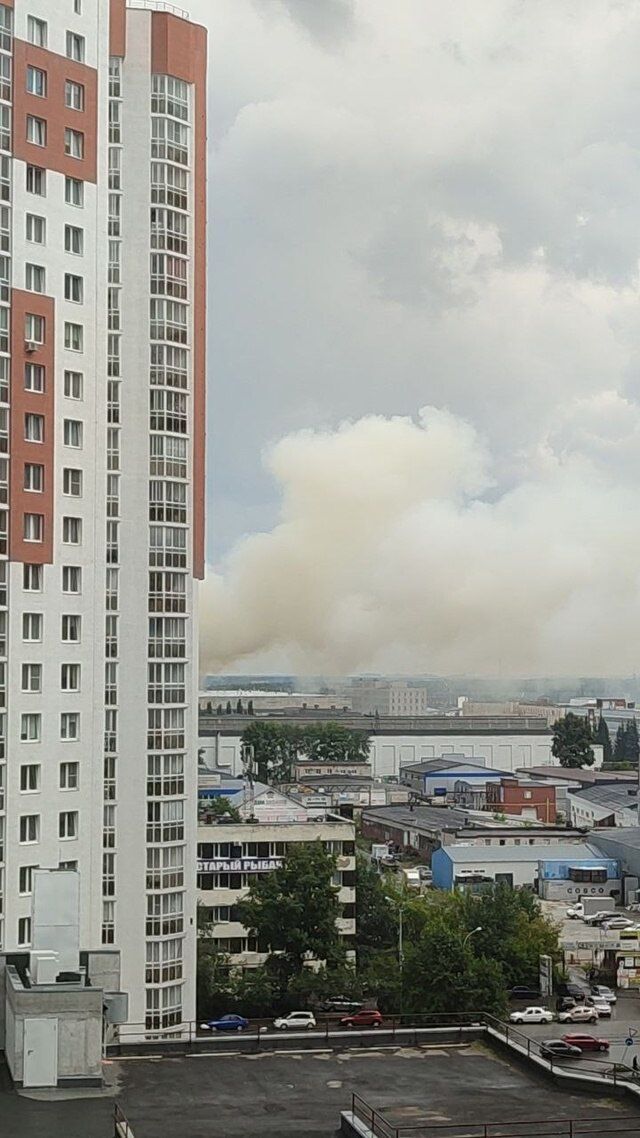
(572,741)
(627,746)
(604,739)
(276,746)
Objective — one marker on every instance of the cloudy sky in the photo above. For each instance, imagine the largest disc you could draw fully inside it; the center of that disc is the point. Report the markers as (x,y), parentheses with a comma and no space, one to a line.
(423,205)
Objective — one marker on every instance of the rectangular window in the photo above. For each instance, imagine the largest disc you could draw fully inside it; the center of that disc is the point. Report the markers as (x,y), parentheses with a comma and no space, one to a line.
(34,278)
(70,726)
(73,288)
(73,337)
(34,428)
(36,81)
(74,191)
(37,31)
(34,377)
(24,931)
(72,432)
(30,727)
(72,531)
(32,627)
(75,47)
(32,578)
(69,776)
(72,482)
(33,527)
(36,228)
(73,95)
(73,143)
(70,677)
(36,181)
(74,239)
(29,828)
(71,626)
(34,477)
(37,131)
(32,677)
(25,879)
(77,7)
(73,384)
(71,579)
(34,328)
(68,824)
(30,777)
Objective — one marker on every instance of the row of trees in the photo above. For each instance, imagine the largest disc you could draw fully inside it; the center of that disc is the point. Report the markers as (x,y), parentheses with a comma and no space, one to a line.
(292,912)
(573,739)
(276,746)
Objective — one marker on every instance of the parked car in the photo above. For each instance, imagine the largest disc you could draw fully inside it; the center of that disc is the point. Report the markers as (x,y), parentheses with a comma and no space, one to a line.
(365,1018)
(575,912)
(599,1005)
(573,990)
(586,1042)
(618,923)
(340,1004)
(605,993)
(532,1015)
(226,1023)
(295,1020)
(522,992)
(559,1049)
(579,1014)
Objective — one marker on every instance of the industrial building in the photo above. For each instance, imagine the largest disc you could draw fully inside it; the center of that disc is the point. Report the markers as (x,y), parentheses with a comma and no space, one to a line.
(613,804)
(567,872)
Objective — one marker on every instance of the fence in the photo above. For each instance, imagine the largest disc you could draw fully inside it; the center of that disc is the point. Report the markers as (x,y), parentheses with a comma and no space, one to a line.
(121,1127)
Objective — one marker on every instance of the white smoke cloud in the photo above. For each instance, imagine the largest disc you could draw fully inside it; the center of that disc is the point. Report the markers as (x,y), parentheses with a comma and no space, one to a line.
(395,551)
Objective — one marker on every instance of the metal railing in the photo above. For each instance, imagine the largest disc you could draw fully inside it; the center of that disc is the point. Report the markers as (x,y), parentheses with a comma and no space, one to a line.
(159,6)
(121,1127)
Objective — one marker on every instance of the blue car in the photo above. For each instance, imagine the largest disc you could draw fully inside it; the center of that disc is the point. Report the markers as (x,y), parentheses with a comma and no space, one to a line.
(226,1023)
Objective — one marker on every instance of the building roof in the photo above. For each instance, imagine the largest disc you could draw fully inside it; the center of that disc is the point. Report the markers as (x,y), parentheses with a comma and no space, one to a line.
(427,818)
(587,777)
(622,836)
(234,724)
(580,851)
(445,762)
(613,797)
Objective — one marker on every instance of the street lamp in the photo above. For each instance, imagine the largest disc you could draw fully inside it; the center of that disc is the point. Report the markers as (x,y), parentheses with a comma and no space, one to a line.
(472,933)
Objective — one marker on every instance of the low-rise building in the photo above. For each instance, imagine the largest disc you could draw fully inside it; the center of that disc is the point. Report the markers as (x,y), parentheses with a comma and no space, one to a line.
(604,806)
(570,871)
(348,792)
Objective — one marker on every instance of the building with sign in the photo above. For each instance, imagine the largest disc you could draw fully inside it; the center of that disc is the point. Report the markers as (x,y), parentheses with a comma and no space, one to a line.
(564,873)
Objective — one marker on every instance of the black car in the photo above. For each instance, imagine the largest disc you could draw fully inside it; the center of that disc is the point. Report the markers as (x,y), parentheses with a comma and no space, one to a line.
(573,990)
(340,1004)
(522,992)
(558,1049)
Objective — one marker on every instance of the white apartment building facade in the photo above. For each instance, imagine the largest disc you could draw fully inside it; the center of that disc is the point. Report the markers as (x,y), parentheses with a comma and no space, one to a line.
(102,293)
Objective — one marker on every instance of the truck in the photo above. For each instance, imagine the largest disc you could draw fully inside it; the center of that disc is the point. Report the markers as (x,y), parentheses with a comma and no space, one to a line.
(592,907)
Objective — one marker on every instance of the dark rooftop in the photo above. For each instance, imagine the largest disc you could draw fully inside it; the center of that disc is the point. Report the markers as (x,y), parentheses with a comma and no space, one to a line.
(453,818)
(587,776)
(235,724)
(615,797)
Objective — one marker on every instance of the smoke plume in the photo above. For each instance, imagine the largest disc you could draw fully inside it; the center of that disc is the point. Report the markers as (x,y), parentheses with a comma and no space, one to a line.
(396,550)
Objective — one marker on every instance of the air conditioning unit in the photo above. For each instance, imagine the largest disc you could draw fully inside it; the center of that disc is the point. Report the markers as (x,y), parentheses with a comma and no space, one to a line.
(30,345)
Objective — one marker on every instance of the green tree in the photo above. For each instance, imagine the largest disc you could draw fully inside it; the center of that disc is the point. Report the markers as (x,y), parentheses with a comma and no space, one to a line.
(514,931)
(219,807)
(294,909)
(275,749)
(603,737)
(376,920)
(620,746)
(572,739)
(632,743)
(331,742)
(443,974)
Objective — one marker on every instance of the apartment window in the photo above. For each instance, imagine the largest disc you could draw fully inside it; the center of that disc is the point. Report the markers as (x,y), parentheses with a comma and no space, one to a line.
(36,81)
(68,824)
(37,31)
(34,477)
(32,677)
(72,432)
(30,777)
(71,579)
(74,191)
(69,776)
(73,143)
(34,278)
(25,879)
(72,531)
(73,288)
(73,337)
(77,7)
(36,181)
(34,428)
(73,384)
(32,627)
(34,327)
(73,95)
(70,677)
(32,578)
(36,229)
(71,625)
(37,131)
(33,527)
(24,931)
(72,482)
(75,47)
(33,377)
(30,727)
(29,828)
(70,726)
(74,239)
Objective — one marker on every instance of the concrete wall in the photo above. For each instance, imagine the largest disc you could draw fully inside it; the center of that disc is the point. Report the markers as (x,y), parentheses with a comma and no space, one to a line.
(79,1015)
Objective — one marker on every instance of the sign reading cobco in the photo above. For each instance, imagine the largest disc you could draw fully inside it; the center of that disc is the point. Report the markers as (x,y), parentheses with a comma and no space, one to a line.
(239,864)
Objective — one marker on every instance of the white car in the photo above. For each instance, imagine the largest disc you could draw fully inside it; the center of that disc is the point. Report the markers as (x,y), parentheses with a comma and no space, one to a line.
(532,1015)
(576,911)
(618,923)
(604,993)
(295,1020)
(600,1005)
(580,1014)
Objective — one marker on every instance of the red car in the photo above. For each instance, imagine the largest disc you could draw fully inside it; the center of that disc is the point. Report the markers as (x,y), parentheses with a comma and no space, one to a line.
(587,1042)
(364,1018)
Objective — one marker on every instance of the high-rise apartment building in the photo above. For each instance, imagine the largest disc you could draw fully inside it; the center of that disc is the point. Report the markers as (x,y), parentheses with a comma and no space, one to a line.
(102,378)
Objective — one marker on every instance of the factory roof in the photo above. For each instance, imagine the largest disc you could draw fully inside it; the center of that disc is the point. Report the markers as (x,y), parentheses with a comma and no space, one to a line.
(621,835)
(586,776)
(578,852)
(615,797)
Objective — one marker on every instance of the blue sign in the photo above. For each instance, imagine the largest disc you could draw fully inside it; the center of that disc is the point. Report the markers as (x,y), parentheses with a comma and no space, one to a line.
(629,1041)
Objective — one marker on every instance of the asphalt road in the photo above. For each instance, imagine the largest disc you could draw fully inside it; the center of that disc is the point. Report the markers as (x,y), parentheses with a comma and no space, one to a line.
(624,1021)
